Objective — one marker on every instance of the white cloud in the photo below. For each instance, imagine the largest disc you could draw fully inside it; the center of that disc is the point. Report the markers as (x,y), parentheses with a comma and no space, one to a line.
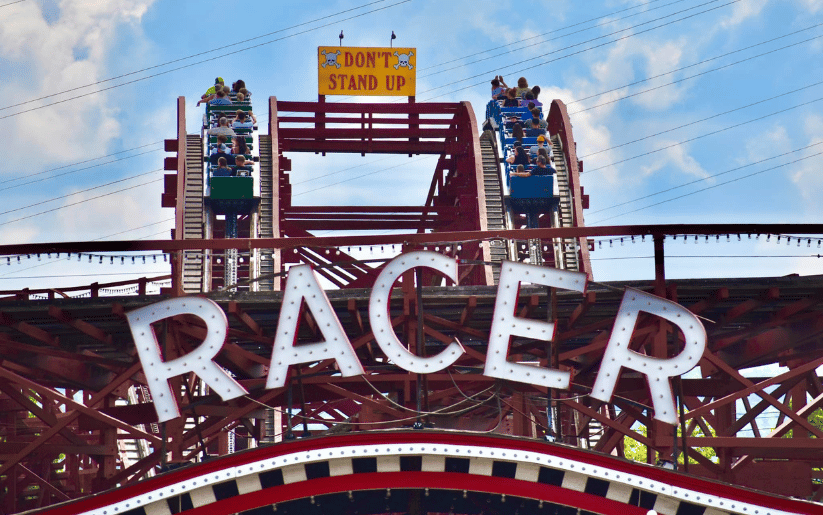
(676,157)
(806,174)
(44,53)
(812,5)
(766,144)
(743,11)
(112,213)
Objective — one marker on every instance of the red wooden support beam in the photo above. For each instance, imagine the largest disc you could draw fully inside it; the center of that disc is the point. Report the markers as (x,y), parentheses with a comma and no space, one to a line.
(69,417)
(468,311)
(354,313)
(709,302)
(245,319)
(581,309)
(28,330)
(749,305)
(531,305)
(81,325)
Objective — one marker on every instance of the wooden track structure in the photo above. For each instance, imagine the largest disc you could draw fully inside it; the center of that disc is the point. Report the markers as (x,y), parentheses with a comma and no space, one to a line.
(72,391)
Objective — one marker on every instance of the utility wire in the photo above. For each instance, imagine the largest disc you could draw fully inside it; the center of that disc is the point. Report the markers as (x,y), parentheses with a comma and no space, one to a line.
(80,202)
(361,176)
(693,76)
(701,120)
(695,64)
(77,192)
(211,59)
(705,135)
(12,3)
(221,48)
(135,229)
(543,63)
(704,178)
(816,256)
(539,35)
(710,187)
(544,41)
(75,171)
(79,163)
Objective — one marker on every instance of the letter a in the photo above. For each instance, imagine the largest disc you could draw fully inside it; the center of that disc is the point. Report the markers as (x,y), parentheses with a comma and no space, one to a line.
(302,285)
(506,324)
(657,370)
(199,361)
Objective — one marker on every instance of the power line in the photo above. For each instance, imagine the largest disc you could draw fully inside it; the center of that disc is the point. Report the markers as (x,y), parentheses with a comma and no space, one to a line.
(12,3)
(79,163)
(704,135)
(200,62)
(694,76)
(77,192)
(711,187)
(695,64)
(135,229)
(704,178)
(556,38)
(486,73)
(83,275)
(75,171)
(360,176)
(187,57)
(701,120)
(541,35)
(80,202)
(623,258)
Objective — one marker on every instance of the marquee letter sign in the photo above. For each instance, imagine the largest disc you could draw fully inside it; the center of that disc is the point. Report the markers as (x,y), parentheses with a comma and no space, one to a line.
(506,324)
(158,372)
(302,285)
(657,370)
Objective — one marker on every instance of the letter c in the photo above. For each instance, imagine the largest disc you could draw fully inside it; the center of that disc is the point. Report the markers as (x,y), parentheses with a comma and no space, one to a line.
(379,316)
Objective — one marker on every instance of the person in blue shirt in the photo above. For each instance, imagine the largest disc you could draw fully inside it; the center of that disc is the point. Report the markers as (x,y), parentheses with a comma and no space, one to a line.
(242,121)
(535,122)
(221,99)
(222,169)
(499,87)
(540,169)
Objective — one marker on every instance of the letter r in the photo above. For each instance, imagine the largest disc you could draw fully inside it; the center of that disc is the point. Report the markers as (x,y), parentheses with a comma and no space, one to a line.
(657,370)
(199,361)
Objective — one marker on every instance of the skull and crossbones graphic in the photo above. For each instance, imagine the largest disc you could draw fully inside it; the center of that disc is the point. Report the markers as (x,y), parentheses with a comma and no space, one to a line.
(331,59)
(403,60)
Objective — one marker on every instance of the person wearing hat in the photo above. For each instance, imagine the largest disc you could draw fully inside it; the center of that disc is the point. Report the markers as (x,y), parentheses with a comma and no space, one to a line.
(541,143)
(211,91)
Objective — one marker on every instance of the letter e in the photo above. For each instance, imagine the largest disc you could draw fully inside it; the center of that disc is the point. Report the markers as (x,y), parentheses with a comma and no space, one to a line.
(506,324)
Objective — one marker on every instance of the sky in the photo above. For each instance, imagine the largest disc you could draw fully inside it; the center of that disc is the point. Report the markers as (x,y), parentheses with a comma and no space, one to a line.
(684,111)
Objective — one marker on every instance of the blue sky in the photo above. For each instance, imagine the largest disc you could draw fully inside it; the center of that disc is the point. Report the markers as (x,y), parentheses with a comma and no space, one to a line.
(571,49)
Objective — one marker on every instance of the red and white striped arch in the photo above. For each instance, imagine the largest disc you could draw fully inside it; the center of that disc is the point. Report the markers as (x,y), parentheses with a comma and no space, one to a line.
(451,461)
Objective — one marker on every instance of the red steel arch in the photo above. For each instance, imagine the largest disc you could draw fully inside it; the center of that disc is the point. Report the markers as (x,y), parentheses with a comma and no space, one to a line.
(422,460)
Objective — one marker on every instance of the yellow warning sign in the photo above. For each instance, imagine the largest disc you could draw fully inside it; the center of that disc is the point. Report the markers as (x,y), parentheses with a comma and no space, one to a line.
(366,71)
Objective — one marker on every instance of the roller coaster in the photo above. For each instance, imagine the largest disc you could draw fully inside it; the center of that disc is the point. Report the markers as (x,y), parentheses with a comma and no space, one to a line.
(82,434)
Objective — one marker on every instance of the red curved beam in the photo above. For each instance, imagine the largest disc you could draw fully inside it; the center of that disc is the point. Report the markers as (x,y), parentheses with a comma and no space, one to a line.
(579,463)
(560,124)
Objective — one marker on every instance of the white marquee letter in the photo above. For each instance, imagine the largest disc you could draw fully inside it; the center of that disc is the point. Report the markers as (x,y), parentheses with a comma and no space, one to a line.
(379,317)
(506,324)
(199,361)
(302,284)
(657,370)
